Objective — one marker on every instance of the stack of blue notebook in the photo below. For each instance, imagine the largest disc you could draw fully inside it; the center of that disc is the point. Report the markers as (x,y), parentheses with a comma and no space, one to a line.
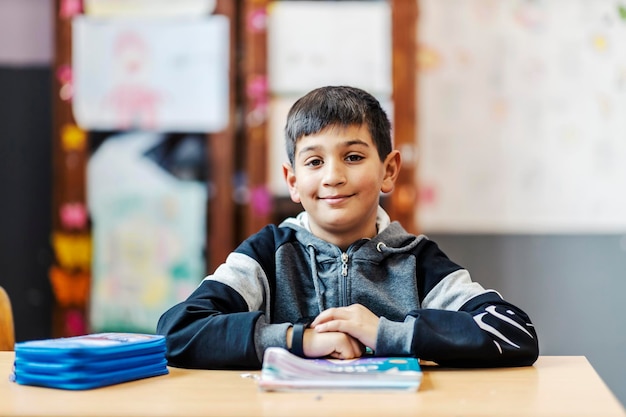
(90,361)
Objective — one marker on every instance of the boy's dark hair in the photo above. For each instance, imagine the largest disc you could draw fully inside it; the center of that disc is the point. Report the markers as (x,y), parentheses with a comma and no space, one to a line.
(339,106)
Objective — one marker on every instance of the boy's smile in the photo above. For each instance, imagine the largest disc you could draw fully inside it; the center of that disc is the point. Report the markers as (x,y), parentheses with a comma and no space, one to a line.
(337,177)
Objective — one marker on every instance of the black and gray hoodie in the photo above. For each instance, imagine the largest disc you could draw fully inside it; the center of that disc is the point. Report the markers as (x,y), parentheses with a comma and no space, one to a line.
(428,305)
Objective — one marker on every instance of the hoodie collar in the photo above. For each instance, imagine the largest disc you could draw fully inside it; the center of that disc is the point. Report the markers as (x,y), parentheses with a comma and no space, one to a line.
(302,220)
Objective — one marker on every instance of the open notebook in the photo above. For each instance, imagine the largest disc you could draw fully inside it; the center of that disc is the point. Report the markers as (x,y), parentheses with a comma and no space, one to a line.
(283,371)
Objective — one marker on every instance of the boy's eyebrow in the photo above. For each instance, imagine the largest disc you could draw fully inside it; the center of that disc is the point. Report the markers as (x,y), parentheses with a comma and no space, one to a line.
(357,142)
(346,144)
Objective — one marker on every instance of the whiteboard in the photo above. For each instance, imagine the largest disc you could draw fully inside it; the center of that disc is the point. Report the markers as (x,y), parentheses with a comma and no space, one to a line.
(522,116)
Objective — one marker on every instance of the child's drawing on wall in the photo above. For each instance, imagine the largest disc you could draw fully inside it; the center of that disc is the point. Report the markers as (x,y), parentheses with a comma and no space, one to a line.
(134,101)
(151,74)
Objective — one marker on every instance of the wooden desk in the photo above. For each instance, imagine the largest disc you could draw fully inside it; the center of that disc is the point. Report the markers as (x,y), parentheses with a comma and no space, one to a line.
(555,386)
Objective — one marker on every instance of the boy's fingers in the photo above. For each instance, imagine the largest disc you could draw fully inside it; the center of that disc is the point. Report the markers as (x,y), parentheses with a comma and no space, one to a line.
(358,347)
(324,316)
(351,349)
(339,313)
(351,312)
(343,326)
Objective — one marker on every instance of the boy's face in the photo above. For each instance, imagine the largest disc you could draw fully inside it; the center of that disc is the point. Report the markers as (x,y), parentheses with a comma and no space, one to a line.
(337,177)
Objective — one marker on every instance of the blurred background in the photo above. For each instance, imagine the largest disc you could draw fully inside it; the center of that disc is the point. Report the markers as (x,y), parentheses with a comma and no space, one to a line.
(141,141)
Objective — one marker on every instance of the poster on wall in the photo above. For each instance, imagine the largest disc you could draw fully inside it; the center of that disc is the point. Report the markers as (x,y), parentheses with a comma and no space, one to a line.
(311,44)
(147,201)
(521,116)
(151,74)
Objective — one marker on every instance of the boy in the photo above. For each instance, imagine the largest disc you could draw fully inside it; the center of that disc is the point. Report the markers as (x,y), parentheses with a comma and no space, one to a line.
(341,278)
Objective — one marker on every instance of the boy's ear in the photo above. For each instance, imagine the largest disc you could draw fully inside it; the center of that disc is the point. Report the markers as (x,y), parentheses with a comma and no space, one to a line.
(391,165)
(290,179)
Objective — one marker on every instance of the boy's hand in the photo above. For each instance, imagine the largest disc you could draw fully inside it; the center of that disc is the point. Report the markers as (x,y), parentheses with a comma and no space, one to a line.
(355,320)
(337,345)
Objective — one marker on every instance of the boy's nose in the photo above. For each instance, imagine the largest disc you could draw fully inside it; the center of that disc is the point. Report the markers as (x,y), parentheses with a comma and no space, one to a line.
(334,173)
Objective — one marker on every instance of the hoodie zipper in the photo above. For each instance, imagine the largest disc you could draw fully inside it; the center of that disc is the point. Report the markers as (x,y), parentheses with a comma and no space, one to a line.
(344,281)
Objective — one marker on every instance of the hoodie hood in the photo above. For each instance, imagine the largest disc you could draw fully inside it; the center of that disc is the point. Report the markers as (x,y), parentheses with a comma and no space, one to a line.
(302,220)
(391,238)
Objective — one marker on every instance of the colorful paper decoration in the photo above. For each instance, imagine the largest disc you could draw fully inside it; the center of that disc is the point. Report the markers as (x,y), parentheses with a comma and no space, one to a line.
(258,88)
(72,251)
(71,289)
(73,215)
(257,91)
(70,8)
(64,75)
(261,201)
(73,138)
(75,323)
(257,20)
(66,92)
(428,59)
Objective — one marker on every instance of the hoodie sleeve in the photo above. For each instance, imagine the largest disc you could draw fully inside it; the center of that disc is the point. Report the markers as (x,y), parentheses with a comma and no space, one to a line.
(459,323)
(486,332)
(212,329)
(222,324)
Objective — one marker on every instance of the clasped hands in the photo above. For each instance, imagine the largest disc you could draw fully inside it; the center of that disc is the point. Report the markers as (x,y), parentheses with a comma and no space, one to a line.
(340,333)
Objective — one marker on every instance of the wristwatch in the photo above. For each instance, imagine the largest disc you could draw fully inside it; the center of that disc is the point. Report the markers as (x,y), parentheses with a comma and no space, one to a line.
(297,338)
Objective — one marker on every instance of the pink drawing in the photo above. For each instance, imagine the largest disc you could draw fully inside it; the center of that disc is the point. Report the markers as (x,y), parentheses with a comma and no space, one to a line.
(134,101)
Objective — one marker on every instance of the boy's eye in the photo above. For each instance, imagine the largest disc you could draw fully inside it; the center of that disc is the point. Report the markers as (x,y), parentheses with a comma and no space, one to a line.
(354,158)
(313,162)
